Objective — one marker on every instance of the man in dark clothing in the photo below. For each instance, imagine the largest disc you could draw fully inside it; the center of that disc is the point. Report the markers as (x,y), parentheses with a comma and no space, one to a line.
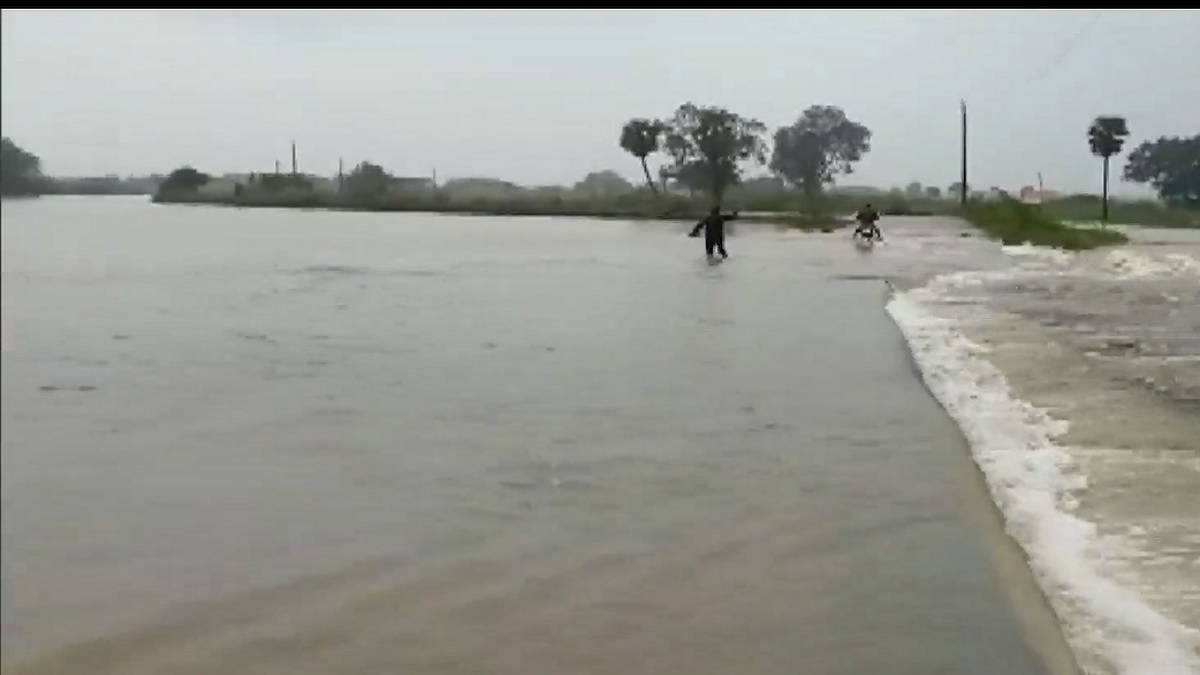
(714,232)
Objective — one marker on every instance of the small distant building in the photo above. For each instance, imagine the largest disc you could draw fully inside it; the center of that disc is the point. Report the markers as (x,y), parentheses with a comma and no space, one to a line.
(412,184)
(858,190)
(218,187)
(1032,195)
(480,188)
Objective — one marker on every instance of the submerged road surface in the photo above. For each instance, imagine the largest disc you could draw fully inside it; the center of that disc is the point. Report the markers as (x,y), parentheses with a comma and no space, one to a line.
(302,442)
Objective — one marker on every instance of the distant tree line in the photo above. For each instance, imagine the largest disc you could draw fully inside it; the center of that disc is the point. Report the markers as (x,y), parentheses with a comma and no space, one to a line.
(21,175)
(365,182)
(707,150)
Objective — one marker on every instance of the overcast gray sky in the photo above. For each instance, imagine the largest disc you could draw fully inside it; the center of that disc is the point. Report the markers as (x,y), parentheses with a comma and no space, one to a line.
(539,96)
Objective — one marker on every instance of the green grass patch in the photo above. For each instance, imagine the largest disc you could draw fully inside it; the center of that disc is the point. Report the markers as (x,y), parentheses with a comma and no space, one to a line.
(1088,208)
(1014,223)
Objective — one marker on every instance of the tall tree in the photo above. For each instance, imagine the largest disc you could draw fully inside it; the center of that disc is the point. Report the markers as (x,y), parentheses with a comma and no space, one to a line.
(821,144)
(642,138)
(708,146)
(1171,165)
(1106,136)
(20,170)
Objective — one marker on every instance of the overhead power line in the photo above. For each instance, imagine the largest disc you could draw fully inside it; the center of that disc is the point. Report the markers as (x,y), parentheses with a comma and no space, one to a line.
(1068,47)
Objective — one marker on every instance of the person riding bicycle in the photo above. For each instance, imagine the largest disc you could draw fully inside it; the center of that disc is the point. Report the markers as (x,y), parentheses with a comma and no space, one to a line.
(867,228)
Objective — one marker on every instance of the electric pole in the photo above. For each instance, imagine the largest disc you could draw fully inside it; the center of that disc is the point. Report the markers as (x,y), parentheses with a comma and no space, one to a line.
(293,158)
(962,193)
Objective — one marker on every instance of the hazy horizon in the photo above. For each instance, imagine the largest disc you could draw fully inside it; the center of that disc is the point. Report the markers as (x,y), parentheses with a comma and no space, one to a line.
(538,97)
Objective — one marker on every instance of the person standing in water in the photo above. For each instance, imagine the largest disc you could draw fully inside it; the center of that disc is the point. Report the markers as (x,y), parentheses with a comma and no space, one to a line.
(714,232)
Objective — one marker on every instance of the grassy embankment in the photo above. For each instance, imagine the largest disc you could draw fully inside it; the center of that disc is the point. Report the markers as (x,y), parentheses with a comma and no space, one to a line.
(1014,223)
(1145,212)
(786,209)
(1007,221)
(638,205)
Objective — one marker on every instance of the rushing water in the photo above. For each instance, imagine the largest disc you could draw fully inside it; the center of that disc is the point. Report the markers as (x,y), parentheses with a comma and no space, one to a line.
(1077,380)
(281,442)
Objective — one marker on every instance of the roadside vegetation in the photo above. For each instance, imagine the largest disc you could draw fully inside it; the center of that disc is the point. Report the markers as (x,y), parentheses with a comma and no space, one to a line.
(696,157)
(1014,223)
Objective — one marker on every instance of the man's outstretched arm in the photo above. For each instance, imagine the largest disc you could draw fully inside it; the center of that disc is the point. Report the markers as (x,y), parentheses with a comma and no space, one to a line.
(696,230)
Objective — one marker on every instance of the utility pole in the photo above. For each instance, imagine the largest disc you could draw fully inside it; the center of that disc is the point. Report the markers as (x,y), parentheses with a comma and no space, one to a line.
(962,194)
(294,158)
(341,176)
(276,167)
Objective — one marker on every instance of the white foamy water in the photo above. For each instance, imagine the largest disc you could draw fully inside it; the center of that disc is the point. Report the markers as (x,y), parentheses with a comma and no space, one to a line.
(1105,588)
(1122,263)
(1126,264)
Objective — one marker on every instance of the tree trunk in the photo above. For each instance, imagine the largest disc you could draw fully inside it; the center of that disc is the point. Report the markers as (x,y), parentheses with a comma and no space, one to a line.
(812,193)
(1104,195)
(718,192)
(649,180)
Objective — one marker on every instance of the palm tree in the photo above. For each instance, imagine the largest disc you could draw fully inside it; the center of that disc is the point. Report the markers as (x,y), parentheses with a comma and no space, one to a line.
(1106,136)
(641,138)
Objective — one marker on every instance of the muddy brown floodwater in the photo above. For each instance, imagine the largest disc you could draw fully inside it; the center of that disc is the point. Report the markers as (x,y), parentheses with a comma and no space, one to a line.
(257,441)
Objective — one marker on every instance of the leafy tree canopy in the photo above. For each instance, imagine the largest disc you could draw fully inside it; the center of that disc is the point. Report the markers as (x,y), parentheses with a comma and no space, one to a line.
(820,145)
(641,138)
(708,145)
(1107,135)
(1171,165)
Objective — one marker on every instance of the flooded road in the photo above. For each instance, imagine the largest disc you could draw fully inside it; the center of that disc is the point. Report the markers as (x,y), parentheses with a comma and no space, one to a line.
(242,441)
